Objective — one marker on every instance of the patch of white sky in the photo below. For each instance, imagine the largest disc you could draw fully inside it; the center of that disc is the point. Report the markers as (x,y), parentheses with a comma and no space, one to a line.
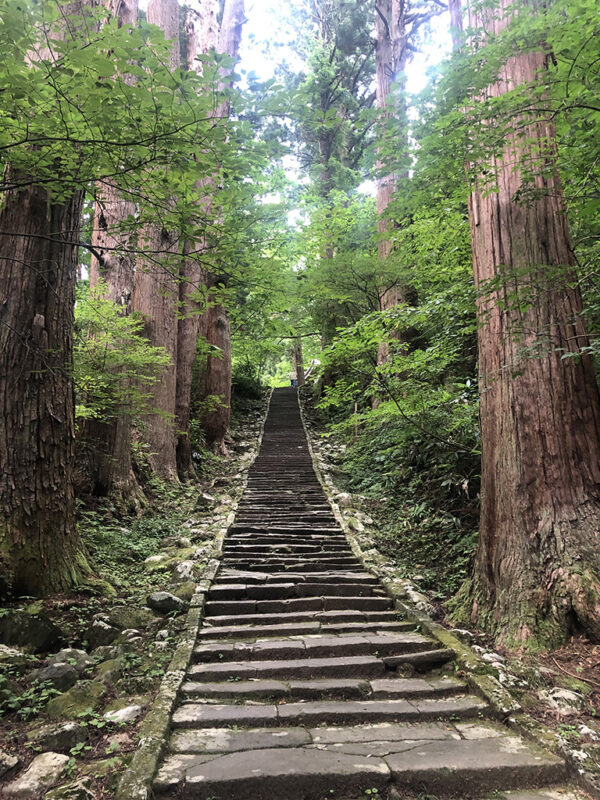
(267,41)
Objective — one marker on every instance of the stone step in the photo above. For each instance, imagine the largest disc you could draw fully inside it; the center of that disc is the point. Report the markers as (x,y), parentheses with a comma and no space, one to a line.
(316,646)
(239,576)
(322,603)
(337,688)
(249,632)
(325,617)
(325,712)
(447,767)
(281,564)
(280,591)
(366,666)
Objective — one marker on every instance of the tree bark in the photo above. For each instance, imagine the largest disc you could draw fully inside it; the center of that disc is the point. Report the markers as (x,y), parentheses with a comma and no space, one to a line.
(38,539)
(390,63)
(218,375)
(156,294)
(298,361)
(201,37)
(111,467)
(537,566)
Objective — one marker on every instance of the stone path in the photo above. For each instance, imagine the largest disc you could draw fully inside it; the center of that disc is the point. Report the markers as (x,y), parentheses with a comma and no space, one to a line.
(306,685)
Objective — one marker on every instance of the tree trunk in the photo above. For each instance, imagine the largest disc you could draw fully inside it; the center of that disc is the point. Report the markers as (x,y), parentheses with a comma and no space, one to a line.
(156,294)
(215,422)
(218,377)
(537,567)
(298,361)
(38,539)
(201,37)
(112,472)
(390,62)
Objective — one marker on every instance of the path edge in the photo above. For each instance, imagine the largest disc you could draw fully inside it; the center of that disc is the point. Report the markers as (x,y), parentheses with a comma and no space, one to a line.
(136,781)
(504,706)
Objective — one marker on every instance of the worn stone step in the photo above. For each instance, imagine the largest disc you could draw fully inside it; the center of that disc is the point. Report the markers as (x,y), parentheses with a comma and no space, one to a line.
(281,591)
(240,576)
(325,712)
(337,688)
(347,667)
(322,603)
(447,767)
(316,646)
(250,632)
(326,617)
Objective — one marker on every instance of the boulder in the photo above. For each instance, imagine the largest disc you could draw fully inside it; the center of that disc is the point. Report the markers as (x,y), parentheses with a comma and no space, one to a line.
(7,762)
(185,591)
(110,671)
(165,602)
(30,628)
(14,659)
(81,697)
(58,736)
(204,502)
(104,652)
(78,790)
(127,617)
(101,632)
(565,702)
(184,571)
(40,775)
(124,715)
(176,542)
(78,659)
(60,676)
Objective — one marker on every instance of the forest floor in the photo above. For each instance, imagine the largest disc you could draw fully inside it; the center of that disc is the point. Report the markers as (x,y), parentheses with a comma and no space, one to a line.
(112,648)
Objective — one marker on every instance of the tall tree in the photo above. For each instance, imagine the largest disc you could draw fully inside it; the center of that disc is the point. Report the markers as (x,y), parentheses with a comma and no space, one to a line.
(537,567)
(202,33)
(113,263)
(38,266)
(156,293)
(215,420)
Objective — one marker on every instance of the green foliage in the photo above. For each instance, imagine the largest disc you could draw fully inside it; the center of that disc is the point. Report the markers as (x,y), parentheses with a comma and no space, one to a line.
(114,366)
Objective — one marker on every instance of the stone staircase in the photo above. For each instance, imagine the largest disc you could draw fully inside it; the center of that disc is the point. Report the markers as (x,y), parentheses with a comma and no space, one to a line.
(306,685)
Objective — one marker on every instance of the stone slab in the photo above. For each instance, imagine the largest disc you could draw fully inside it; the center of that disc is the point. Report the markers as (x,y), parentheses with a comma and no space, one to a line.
(225,740)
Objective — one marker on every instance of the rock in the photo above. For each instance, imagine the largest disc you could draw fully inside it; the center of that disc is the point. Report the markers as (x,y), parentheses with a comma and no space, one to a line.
(59,736)
(110,671)
(162,634)
(123,715)
(165,602)
(204,502)
(564,701)
(31,628)
(156,560)
(7,762)
(60,676)
(101,632)
(126,618)
(14,659)
(184,571)
(105,652)
(78,790)
(84,695)
(463,634)
(42,773)
(78,659)
(344,500)
(185,591)
(176,541)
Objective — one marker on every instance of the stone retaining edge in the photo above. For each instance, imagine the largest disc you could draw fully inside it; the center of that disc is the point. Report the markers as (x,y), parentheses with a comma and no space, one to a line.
(477,671)
(136,781)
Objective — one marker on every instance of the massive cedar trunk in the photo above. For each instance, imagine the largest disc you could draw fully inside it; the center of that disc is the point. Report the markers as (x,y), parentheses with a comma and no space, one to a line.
(201,37)
(215,422)
(537,567)
(110,440)
(390,62)
(38,539)
(156,294)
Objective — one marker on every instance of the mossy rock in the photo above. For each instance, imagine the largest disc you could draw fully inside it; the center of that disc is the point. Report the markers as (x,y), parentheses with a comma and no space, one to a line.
(106,767)
(574,684)
(162,561)
(124,617)
(185,591)
(142,700)
(81,697)
(110,671)
(30,628)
